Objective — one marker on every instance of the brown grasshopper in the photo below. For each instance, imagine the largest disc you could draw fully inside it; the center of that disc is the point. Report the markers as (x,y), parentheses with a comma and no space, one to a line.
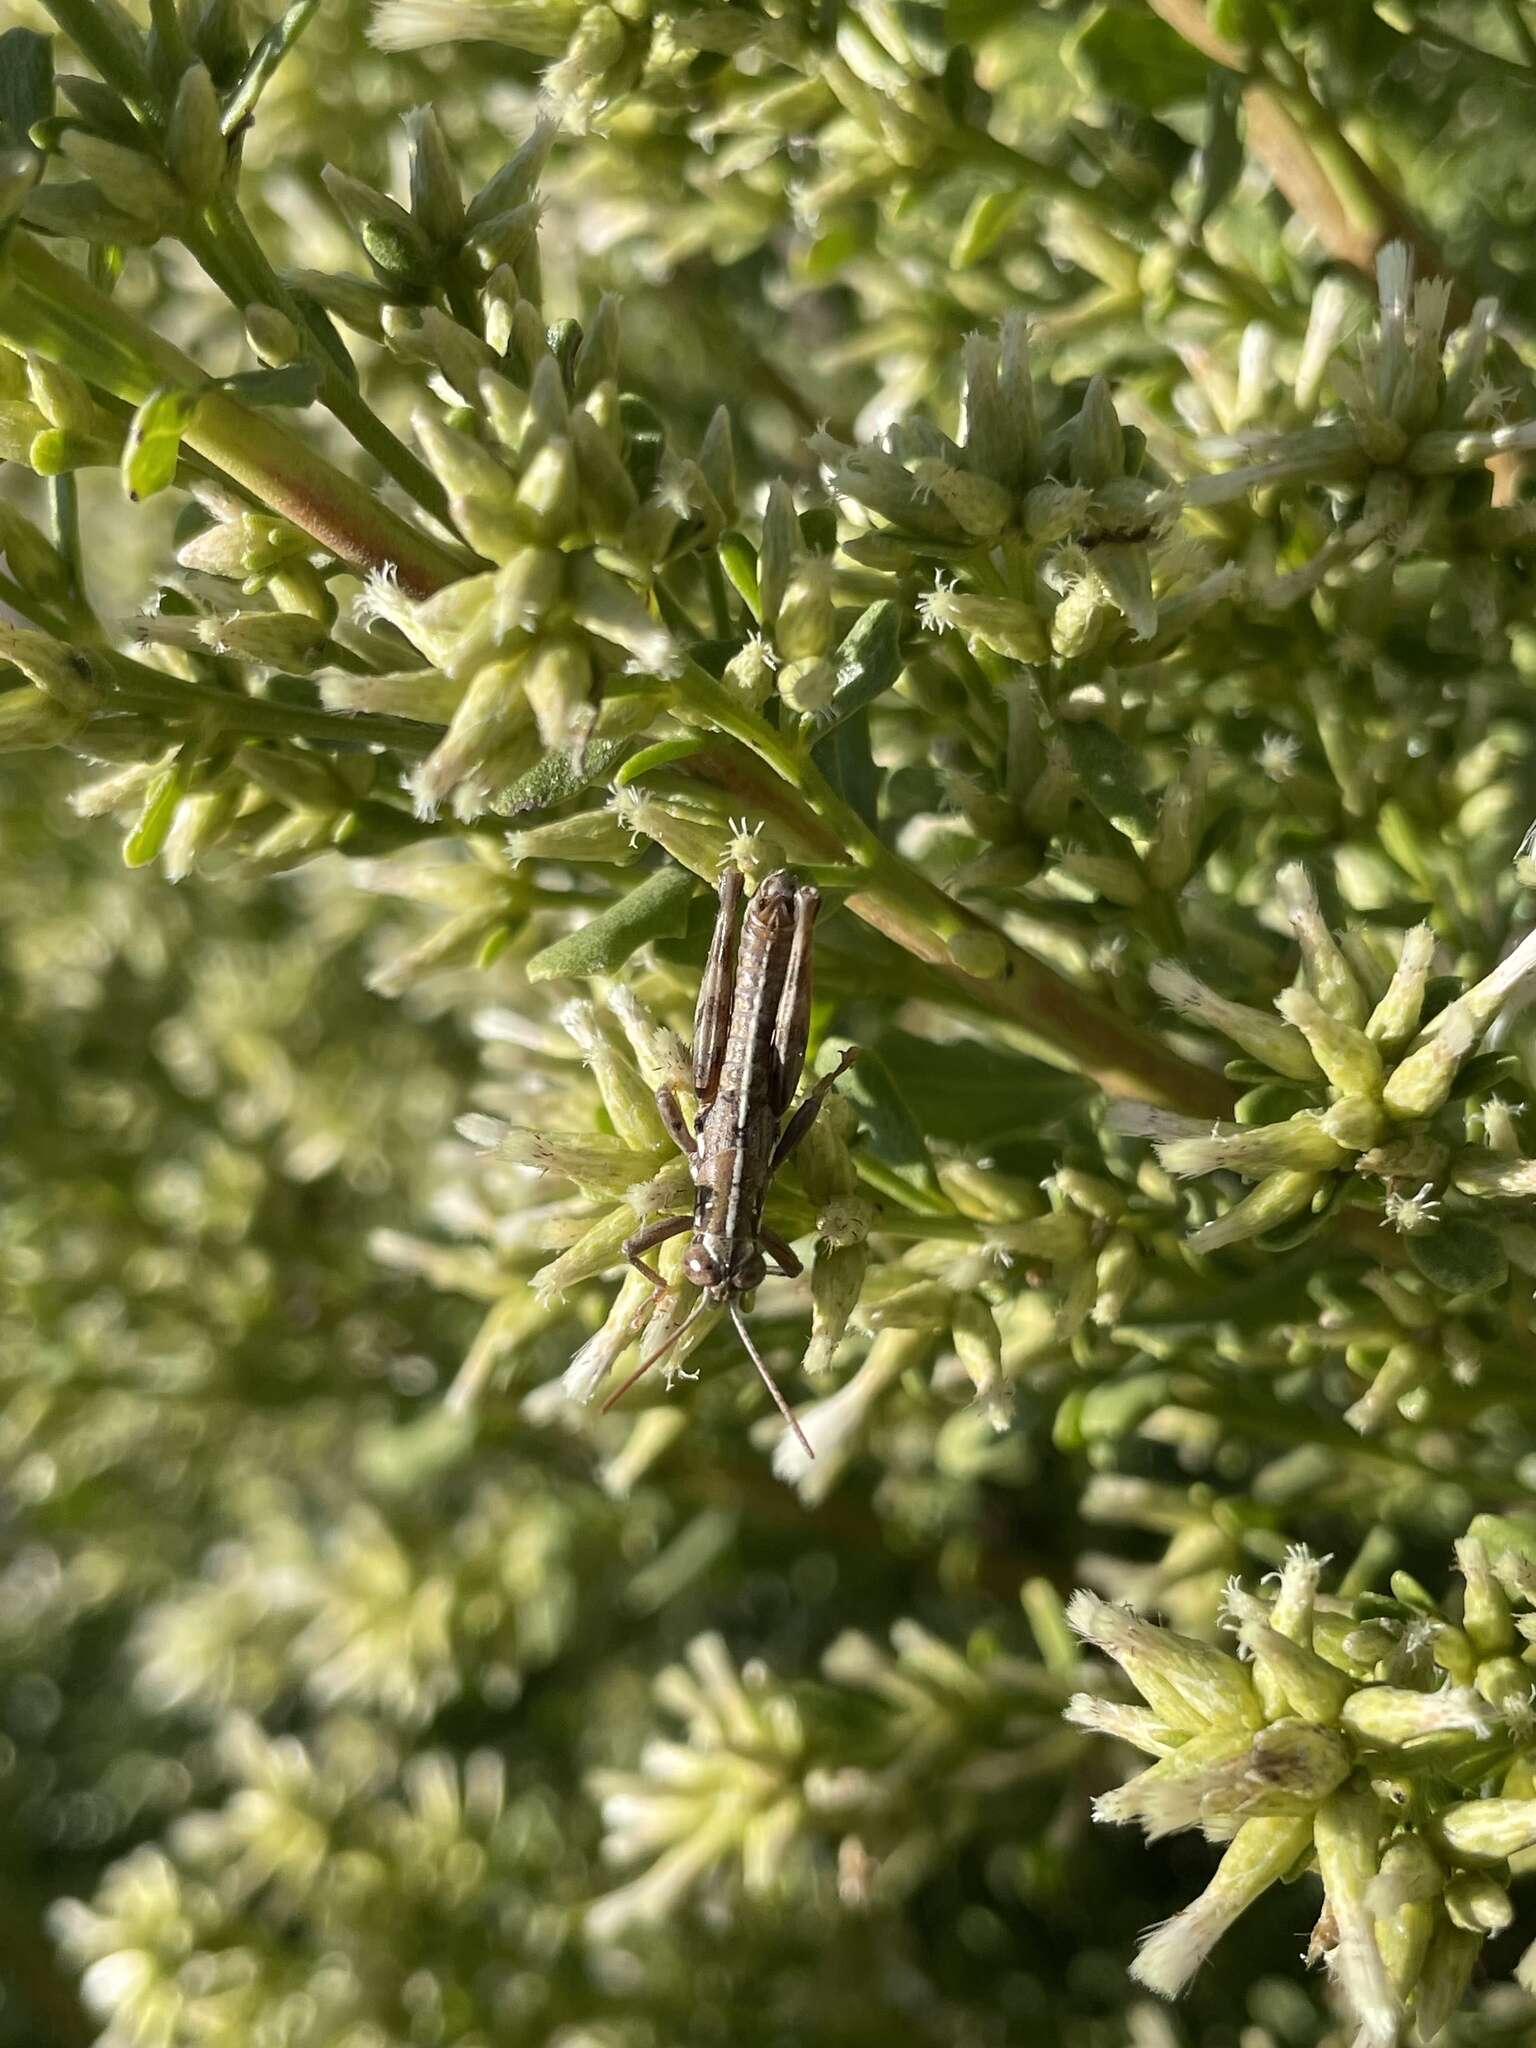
(749,1039)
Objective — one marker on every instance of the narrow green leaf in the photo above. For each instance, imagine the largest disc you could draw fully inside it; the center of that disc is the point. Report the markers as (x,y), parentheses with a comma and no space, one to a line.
(558,776)
(891,1132)
(1461,1257)
(659,756)
(265,58)
(1108,772)
(869,660)
(26,84)
(296,384)
(656,908)
(973,1094)
(844,757)
(155,820)
(1126,55)
(1220,162)
(153,446)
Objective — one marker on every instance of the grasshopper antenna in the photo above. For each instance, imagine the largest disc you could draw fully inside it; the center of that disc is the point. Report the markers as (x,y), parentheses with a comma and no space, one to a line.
(767,1378)
(661,1351)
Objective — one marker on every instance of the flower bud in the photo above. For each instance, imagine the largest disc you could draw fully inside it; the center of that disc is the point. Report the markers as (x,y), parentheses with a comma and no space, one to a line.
(1306,1683)
(1348,1058)
(588,835)
(980,953)
(837,1279)
(63,399)
(630,1104)
(602,604)
(194,142)
(979,1345)
(1258,1151)
(557,680)
(1261,1853)
(1387,1716)
(272,335)
(596,1358)
(29,719)
(285,640)
(1347,1833)
(394,244)
(1169,860)
(1276,1199)
(1479,1903)
(1285,1768)
(1406,1367)
(1485,1607)
(1121,572)
(1280,1047)
(1097,443)
(981,507)
(1187,1684)
(127,178)
(1330,974)
(1395,1018)
(1409,1874)
(1443,1978)
(437,204)
(31,558)
(1487,1830)
(806,623)
(1005,625)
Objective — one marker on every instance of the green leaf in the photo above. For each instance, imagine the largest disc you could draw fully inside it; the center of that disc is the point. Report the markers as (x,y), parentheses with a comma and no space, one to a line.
(1458,1256)
(845,759)
(659,756)
(291,384)
(1128,57)
(264,60)
(1220,161)
(988,218)
(869,660)
(26,84)
(891,1132)
(161,802)
(1108,772)
(972,1094)
(556,777)
(153,446)
(655,908)
(966,21)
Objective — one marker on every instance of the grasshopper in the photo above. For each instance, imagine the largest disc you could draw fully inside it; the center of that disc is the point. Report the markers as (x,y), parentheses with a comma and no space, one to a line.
(749,1038)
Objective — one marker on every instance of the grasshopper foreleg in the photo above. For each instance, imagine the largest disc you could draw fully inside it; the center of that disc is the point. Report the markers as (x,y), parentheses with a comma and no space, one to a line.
(647,1239)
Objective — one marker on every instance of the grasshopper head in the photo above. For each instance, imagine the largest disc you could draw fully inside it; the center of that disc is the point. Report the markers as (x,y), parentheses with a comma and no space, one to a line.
(722,1268)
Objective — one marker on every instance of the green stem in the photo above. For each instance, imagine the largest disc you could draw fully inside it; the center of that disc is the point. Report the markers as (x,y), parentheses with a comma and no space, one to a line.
(1076,1028)
(231,234)
(137,688)
(46,306)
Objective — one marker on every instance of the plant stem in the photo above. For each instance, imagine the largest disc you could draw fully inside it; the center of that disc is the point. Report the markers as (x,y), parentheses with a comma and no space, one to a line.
(227,240)
(915,914)
(1324,180)
(46,306)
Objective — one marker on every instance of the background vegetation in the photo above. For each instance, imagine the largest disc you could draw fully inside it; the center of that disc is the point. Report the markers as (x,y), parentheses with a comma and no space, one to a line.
(1056,475)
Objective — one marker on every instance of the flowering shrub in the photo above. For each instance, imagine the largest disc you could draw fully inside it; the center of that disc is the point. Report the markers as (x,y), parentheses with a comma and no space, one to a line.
(1055,479)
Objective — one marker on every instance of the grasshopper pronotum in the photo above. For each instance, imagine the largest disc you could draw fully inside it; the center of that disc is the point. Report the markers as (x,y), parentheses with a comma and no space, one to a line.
(749,1038)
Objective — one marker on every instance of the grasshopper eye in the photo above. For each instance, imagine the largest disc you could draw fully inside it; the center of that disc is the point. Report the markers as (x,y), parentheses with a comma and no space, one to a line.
(701,1267)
